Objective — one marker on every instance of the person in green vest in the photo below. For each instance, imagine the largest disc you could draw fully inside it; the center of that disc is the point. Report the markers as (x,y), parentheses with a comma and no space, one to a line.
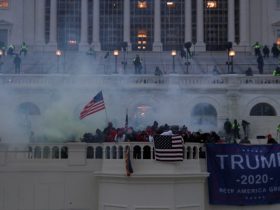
(278,132)
(11,50)
(257,47)
(276,72)
(236,129)
(23,49)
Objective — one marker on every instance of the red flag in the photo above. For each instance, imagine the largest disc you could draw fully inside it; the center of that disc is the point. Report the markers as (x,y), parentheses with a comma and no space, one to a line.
(95,105)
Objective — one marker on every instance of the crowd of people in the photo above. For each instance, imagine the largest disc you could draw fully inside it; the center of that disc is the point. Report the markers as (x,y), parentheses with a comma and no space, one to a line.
(12,52)
(231,134)
(112,134)
(261,52)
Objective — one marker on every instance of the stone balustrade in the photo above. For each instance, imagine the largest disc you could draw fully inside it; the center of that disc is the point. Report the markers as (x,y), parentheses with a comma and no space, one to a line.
(148,81)
(139,150)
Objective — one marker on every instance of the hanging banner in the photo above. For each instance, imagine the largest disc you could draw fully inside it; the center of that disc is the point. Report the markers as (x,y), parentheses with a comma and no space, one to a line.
(243,174)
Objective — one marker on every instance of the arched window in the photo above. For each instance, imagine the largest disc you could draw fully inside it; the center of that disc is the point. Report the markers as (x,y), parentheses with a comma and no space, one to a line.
(64,153)
(55,153)
(263,109)
(46,153)
(146,152)
(204,117)
(107,152)
(37,151)
(30,152)
(90,153)
(114,152)
(143,115)
(189,153)
(195,153)
(99,153)
(25,111)
(137,152)
(120,152)
(29,108)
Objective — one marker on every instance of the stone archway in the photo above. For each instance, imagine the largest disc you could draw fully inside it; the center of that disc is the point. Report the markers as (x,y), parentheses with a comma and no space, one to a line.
(204,117)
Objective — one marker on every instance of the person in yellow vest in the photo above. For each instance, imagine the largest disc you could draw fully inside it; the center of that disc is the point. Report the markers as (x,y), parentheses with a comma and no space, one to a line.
(23,49)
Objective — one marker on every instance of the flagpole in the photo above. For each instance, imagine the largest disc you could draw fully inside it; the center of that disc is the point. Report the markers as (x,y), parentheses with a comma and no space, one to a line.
(105,108)
(106,115)
(126,119)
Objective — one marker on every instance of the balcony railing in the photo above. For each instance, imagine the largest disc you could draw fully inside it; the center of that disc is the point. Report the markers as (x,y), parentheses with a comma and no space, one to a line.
(149,81)
(108,151)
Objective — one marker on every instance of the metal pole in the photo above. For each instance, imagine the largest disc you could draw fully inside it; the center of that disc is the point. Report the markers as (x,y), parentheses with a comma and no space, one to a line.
(231,62)
(116,63)
(173,64)
(57,67)
(64,61)
(187,63)
(124,62)
(228,62)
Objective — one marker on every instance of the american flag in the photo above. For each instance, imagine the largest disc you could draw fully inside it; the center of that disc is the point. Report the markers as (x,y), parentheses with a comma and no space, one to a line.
(95,105)
(169,148)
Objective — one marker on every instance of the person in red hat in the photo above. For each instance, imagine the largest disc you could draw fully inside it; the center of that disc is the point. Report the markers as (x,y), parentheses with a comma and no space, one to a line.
(271,140)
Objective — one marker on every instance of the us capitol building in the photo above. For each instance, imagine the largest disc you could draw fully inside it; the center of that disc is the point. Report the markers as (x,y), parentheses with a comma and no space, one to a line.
(57,171)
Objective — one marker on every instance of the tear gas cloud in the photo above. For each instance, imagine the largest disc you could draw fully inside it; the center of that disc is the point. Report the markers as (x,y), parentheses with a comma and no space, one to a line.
(59,121)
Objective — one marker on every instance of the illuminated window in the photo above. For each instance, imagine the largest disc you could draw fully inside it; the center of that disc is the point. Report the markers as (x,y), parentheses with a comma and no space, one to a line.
(142,34)
(170,4)
(111,24)
(142,5)
(172,24)
(142,24)
(142,40)
(211,4)
(4,4)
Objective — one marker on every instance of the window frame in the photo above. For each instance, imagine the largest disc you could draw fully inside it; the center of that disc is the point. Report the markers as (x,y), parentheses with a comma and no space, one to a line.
(4,1)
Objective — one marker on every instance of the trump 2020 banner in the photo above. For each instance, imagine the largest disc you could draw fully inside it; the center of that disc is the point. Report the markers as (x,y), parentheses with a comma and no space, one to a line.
(243,175)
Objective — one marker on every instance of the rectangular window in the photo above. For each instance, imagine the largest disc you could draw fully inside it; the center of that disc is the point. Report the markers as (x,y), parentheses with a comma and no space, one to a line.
(3,38)
(172,24)
(4,4)
(278,4)
(278,33)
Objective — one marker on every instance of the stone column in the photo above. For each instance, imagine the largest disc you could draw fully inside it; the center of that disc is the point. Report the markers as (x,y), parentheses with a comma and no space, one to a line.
(244,25)
(233,101)
(200,45)
(231,29)
(188,20)
(40,25)
(83,46)
(157,45)
(126,24)
(96,17)
(53,26)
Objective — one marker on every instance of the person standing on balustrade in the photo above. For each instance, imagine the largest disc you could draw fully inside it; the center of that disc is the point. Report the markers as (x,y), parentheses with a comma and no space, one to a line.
(17,62)
(137,64)
(260,63)
(236,129)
